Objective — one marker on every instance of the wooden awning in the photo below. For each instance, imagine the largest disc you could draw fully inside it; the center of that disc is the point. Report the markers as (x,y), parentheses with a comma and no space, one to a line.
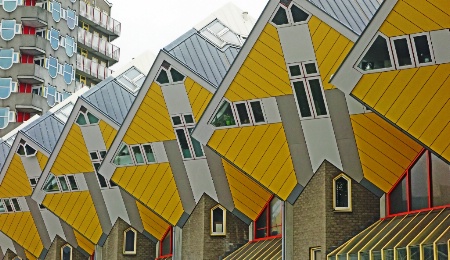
(263,249)
(424,235)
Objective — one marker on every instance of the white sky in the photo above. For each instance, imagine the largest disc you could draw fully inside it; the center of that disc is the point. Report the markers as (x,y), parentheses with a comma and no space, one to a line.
(153,24)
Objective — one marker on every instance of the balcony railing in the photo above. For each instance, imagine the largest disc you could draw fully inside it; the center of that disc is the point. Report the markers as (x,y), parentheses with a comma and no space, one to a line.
(92,68)
(98,17)
(98,44)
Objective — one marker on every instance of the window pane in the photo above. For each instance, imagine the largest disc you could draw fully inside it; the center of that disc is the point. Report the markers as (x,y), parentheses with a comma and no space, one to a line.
(401,254)
(224,117)
(68,70)
(316,92)
(311,68)
(419,184)
(54,38)
(8,29)
(73,183)
(422,49)
(129,241)
(217,222)
(243,113)
(51,184)
(377,57)
(188,119)
(258,114)
(123,157)
(102,154)
(71,19)
(341,194)
(21,150)
(176,120)
(397,198)
(440,181)
(414,252)
(10,5)
(298,14)
(149,153)
(56,11)
(6,58)
(2,207)
(94,156)
(261,225)
(16,204)
(280,17)
(63,183)
(166,244)
(442,251)
(183,144)
(66,253)
(29,150)
(51,96)
(176,76)
(138,154)
(5,87)
(81,120)
(428,252)
(8,205)
(402,51)
(162,77)
(302,99)
(102,181)
(196,144)
(52,67)
(275,217)
(295,70)
(92,119)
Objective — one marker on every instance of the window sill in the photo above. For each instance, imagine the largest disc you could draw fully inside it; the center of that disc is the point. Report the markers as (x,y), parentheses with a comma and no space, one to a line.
(218,234)
(343,210)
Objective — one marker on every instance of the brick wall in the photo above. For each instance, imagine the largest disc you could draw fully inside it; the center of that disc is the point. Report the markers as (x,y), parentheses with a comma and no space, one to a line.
(9,255)
(197,242)
(113,247)
(54,252)
(315,222)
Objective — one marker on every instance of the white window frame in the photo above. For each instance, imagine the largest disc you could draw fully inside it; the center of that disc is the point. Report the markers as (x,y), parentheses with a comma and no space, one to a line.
(169,76)
(68,47)
(224,221)
(430,46)
(48,65)
(12,116)
(252,115)
(145,155)
(311,98)
(6,118)
(185,127)
(300,67)
(11,204)
(238,121)
(134,157)
(233,111)
(72,71)
(410,51)
(117,153)
(66,177)
(54,9)
(306,75)
(312,252)
(125,241)
(40,60)
(71,251)
(18,2)
(50,38)
(16,29)
(41,32)
(391,56)
(312,108)
(349,193)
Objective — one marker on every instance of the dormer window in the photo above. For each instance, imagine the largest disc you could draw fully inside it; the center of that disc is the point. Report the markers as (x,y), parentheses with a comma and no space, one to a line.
(169,75)
(26,150)
(220,35)
(289,14)
(132,79)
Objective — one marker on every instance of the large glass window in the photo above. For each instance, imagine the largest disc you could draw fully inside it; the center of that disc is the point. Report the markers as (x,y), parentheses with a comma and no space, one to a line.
(56,11)
(52,66)
(269,222)
(6,58)
(5,87)
(71,19)
(70,46)
(68,73)
(224,116)
(8,29)
(66,252)
(166,244)
(53,37)
(377,56)
(129,241)
(4,117)
(342,193)
(425,185)
(10,5)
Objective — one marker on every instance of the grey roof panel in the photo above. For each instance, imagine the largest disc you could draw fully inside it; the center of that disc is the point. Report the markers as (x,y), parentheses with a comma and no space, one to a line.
(45,132)
(354,14)
(202,57)
(4,150)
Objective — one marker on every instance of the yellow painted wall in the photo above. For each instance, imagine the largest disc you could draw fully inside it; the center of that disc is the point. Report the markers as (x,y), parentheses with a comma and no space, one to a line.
(412,16)
(85,244)
(73,157)
(260,151)
(30,256)
(42,159)
(151,122)
(77,209)
(385,152)
(416,100)
(153,224)
(248,196)
(199,97)
(154,186)
(21,228)
(15,183)
(263,73)
(330,47)
(108,133)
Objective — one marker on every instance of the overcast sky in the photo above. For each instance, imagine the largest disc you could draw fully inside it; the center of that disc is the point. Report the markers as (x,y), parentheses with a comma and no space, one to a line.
(152,24)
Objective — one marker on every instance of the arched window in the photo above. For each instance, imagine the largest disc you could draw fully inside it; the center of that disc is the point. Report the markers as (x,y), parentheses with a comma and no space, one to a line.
(71,19)
(8,29)
(56,11)
(218,221)
(129,241)
(52,66)
(7,58)
(166,244)
(269,222)
(5,87)
(53,37)
(66,252)
(4,117)
(10,5)
(342,193)
(68,73)
(70,46)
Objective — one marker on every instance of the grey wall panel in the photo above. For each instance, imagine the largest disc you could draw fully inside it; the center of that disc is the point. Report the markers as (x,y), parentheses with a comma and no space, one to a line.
(39,221)
(219,179)
(180,175)
(292,39)
(343,130)
(115,205)
(132,210)
(69,233)
(296,140)
(200,179)
(19,250)
(440,40)
(99,203)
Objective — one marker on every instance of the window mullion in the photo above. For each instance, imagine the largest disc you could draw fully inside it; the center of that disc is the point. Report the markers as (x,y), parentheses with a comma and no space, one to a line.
(189,141)
(310,98)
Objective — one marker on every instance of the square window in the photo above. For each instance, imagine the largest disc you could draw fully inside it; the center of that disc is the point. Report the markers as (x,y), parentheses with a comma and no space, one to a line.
(295,71)
(176,120)
(102,154)
(94,156)
(189,119)
(311,69)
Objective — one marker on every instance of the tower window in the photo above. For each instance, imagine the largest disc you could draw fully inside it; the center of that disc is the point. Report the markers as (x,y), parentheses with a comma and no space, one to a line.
(342,193)
(129,241)
(218,221)
(66,252)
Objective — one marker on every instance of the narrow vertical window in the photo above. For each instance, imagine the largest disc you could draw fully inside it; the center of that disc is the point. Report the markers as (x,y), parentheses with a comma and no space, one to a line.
(63,183)
(422,48)
(149,154)
(5,87)
(72,182)
(198,150)
(53,37)
(6,58)
(257,111)
(138,154)
(218,221)
(4,117)
(52,67)
(242,111)
(317,97)
(402,50)
(182,141)
(66,252)
(342,192)
(129,241)
(302,99)
(56,11)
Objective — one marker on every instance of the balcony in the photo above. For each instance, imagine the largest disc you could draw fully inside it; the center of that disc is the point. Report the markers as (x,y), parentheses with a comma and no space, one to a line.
(92,69)
(32,16)
(25,102)
(98,45)
(100,20)
(30,44)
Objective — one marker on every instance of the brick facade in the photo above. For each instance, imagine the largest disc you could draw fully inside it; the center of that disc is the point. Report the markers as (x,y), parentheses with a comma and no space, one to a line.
(9,255)
(315,222)
(197,242)
(113,247)
(54,252)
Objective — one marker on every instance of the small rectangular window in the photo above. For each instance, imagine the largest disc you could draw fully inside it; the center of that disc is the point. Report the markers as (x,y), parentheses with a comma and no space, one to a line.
(302,99)
(182,141)
(2,207)
(94,156)
(63,183)
(176,120)
(149,154)
(295,71)
(139,158)
(317,97)
(73,183)
(16,205)
(9,208)
(422,49)
(402,52)
(310,68)
(102,181)
(189,119)
(257,111)
(242,111)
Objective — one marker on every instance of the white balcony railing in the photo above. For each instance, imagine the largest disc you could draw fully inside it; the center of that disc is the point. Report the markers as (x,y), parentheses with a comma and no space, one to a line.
(101,18)
(98,44)
(92,68)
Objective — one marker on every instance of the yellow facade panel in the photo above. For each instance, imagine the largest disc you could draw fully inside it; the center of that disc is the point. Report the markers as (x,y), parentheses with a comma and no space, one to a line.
(239,143)
(249,89)
(153,224)
(320,34)
(390,30)
(84,243)
(333,59)
(279,166)
(323,47)
(42,159)
(313,24)
(364,85)
(73,157)
(247,150)
(151,120)
(441,142)
(108,133)
(228,140)
(440,121)
(379,169)
(403,24)
(426,14)
(379,87)
(15,183)
(176,214)
(376,179)
(441,4)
